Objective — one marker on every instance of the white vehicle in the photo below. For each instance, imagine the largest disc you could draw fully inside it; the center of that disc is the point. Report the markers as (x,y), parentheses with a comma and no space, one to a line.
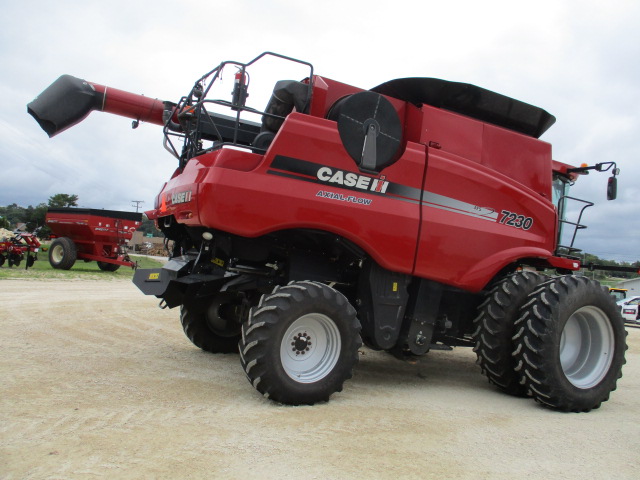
(629,309)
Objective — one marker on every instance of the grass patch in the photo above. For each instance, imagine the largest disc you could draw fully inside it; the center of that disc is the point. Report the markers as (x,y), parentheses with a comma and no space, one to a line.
(81,270)
(610,281)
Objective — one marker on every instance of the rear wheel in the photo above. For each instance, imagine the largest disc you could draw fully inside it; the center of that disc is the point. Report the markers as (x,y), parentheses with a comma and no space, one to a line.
(570,344)
(300,343)
(108,267)
(63,253)
(215,327)
(494,329)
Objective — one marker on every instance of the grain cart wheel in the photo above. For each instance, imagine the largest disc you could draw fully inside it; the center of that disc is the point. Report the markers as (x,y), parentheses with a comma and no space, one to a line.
(212,328)
(300,343)
(108,267)
(63,253)
(494,329)
(570,344)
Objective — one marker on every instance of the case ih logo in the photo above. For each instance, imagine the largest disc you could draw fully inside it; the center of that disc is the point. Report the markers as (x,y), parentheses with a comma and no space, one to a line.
(306,171)
(350,179)
(317,173)
(180,197)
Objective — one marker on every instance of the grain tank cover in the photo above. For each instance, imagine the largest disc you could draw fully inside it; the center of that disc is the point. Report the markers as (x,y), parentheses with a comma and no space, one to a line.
(470,100)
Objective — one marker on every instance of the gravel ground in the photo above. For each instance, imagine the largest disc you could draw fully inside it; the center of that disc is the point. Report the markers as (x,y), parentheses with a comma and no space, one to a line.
(97,382)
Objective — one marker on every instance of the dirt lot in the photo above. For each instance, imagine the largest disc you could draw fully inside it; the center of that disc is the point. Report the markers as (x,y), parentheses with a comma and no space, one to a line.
(97,382)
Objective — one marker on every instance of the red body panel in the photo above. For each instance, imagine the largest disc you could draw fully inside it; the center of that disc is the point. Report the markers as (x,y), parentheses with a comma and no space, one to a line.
(463,201)
(491,170)
(386,228)
(96,236)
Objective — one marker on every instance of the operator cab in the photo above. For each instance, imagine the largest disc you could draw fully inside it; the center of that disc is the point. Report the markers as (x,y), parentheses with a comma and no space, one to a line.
(560,190)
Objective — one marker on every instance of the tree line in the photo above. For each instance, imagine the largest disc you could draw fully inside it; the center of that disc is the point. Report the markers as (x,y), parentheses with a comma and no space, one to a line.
(588,258)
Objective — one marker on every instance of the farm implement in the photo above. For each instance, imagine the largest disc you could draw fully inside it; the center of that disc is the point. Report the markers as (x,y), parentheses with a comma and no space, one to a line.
(91,235)
(21,246)
(417,215)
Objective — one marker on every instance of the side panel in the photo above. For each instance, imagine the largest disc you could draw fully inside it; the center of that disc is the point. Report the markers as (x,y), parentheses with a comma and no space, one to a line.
(476,220)
(523,159)
(179,195)
(307,180)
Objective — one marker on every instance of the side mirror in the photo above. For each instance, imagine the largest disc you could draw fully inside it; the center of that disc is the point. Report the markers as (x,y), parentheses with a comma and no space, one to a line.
(612,188)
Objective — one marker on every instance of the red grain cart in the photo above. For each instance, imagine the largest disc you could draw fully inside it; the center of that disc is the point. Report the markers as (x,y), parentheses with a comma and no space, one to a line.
(90,234)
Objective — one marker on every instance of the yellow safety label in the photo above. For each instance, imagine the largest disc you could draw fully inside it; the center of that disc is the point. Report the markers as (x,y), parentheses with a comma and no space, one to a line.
(218,262)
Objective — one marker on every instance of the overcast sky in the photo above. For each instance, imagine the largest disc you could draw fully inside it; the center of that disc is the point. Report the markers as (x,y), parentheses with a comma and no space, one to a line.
(579,60)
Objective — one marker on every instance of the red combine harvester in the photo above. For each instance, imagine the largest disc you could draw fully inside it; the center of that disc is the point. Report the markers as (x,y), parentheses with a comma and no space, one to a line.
(420,214)
(13,250)
(91,235)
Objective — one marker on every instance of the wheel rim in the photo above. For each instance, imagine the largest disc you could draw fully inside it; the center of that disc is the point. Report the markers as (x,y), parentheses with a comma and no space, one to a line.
(586,347)
(310,348)
(57,253)
(220,318)
(222,327)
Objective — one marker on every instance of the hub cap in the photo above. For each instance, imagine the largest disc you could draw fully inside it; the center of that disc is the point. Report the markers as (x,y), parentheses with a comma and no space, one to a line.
(57,253)
(310,348)
(586,347)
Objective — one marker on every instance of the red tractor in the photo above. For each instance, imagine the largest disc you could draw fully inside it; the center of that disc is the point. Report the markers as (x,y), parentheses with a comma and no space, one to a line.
(14,250)
(417,215)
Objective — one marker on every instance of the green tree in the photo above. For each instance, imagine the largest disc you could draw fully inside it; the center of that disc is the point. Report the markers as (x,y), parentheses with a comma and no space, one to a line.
(62,200)
(36,219)
(13,214)
(148,226)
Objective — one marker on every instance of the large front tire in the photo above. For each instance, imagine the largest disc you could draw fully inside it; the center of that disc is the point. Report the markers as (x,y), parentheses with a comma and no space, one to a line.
(494,329)
(300,343)
(63,253)
(570,344)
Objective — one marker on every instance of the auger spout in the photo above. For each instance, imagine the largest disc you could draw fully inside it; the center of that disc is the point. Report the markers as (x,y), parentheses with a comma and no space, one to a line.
(68,101)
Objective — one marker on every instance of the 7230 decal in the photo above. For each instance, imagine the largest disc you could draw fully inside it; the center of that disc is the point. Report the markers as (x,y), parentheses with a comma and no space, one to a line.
(512,219)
